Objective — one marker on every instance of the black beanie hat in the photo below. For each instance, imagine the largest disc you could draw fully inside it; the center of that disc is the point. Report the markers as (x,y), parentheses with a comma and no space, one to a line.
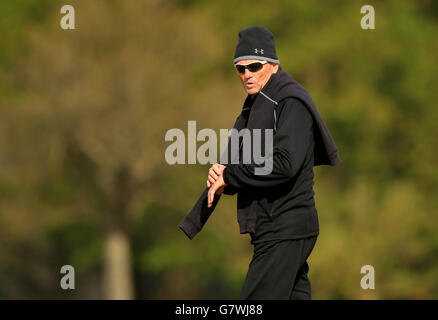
(256,43)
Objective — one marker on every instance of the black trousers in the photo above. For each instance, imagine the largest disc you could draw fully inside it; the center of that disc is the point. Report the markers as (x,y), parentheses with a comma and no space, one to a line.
(278,271)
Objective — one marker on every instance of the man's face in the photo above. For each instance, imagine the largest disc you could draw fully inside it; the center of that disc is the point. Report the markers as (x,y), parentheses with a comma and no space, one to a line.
(253,82)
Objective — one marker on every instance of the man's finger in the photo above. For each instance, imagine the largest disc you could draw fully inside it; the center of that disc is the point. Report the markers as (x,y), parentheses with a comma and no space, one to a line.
(217,171)
(219,165)
(218,168)
(211,179)
(211,196)
(213,175)
(212,172)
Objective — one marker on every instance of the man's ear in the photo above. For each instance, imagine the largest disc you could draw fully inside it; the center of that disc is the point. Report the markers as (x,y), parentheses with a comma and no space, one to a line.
(274,67)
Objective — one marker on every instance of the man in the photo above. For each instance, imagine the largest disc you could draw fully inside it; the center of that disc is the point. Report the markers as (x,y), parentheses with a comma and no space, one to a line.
(277,209)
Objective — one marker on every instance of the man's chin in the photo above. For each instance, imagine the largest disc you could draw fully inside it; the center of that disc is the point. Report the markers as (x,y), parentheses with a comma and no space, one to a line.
(252,90)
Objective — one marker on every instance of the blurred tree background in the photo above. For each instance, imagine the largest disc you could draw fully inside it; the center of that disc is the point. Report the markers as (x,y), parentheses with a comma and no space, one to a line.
(84,113)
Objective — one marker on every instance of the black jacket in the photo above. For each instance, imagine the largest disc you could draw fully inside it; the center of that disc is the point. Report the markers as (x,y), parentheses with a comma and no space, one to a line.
(301,140)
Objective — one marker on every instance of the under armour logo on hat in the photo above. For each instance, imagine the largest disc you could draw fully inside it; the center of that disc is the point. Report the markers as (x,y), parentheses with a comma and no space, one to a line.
(257,51)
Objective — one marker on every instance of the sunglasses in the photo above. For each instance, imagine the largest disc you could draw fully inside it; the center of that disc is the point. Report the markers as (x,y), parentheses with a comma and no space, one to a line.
(252,67)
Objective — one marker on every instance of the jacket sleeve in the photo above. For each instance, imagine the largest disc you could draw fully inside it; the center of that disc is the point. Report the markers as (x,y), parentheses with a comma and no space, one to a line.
(198,216)
(290,144)
(229,190)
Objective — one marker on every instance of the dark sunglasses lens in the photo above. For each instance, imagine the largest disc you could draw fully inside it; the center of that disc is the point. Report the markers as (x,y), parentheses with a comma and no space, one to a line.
(254,67)
(240,68)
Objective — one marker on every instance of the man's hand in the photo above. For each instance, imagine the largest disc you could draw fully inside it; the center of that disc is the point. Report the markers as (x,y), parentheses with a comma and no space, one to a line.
(214,173)
(215,181)
(217,187)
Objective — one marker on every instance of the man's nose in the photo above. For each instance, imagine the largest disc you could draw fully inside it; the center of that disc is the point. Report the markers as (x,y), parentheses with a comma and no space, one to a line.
(248,74)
